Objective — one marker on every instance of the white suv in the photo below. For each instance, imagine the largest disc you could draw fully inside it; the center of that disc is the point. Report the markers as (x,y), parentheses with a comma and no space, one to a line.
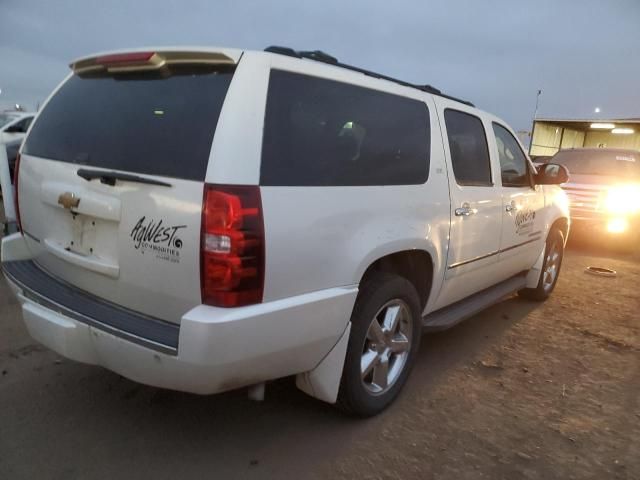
(204,219)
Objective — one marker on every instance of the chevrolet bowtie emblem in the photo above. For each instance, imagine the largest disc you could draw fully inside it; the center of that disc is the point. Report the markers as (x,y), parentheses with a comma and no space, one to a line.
(68,200)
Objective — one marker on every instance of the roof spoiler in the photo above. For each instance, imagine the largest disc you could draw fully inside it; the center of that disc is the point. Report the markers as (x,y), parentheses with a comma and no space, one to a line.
(323,57)
(147,61)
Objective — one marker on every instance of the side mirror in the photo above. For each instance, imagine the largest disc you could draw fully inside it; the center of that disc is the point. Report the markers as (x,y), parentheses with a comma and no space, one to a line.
(551,174)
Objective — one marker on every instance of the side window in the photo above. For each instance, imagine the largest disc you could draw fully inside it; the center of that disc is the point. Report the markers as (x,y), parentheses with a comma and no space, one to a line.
(469,150)
(321,132)
(22,126)
(513,163)
(17,127)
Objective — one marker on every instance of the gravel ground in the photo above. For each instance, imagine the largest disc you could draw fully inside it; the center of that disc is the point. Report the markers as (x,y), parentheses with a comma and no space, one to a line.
(522,390)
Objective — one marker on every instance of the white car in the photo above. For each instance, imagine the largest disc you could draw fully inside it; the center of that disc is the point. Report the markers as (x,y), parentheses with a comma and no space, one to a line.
(14,125)
(203,219)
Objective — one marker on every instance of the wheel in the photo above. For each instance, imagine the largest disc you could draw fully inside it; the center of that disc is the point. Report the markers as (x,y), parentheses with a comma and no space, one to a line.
(554,252)
(385,336)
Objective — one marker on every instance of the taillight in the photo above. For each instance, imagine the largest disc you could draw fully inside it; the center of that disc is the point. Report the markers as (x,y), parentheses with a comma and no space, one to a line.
(232,246)
(134,57)
(16,173)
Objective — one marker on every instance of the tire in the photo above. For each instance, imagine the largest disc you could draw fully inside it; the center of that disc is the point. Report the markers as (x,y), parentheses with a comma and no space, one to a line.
(366,394)
(549,275)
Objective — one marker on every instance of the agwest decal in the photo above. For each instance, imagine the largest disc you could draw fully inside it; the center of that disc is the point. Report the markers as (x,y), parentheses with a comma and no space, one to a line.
(525,216)
(147,234)
(524,220)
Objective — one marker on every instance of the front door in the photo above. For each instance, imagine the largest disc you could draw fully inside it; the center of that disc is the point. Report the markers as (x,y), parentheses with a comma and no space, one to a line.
(521,239)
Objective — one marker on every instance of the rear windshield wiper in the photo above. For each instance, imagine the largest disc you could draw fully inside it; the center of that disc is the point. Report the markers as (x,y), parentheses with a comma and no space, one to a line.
(109,178)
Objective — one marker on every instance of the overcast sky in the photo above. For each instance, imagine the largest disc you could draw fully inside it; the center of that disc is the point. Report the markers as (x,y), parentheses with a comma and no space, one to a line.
(583,54)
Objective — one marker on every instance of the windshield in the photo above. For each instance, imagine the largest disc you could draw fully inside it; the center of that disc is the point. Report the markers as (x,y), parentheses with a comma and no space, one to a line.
(5,119)
(618,163)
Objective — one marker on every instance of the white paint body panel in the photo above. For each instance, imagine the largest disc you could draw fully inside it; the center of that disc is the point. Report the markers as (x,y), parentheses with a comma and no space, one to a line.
(319,242)
(103,259)
(14,247)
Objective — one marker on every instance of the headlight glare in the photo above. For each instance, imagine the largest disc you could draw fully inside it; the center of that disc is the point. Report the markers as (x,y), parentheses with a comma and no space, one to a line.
(622,199)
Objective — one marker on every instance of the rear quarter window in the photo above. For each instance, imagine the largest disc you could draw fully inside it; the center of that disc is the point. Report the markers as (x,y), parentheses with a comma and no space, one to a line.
(321,132)
(150,123)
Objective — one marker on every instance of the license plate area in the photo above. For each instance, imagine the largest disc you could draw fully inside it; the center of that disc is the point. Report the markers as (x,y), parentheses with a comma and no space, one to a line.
(83,234)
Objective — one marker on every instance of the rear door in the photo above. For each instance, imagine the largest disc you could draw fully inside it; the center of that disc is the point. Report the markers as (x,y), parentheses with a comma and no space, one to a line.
(476,206)
(111,179)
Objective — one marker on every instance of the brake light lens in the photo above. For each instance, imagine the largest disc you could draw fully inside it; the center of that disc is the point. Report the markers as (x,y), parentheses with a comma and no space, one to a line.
(122,62)
(118,58)
(232,246)
(16,173)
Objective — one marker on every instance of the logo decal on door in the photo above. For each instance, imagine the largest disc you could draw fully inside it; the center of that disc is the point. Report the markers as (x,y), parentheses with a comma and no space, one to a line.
(157,238)
(524,220)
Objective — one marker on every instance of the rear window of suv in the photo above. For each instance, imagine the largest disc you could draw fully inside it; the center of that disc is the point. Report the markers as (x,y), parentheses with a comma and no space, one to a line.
(150,123)
(322,132)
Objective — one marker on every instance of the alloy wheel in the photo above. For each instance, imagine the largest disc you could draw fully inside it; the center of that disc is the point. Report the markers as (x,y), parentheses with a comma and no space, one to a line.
(386,347)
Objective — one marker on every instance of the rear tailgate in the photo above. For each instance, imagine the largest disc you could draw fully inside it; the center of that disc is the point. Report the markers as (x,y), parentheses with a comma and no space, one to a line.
(111,178)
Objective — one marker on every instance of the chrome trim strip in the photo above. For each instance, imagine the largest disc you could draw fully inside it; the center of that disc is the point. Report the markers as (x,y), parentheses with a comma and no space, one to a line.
(482,257)
(520,244)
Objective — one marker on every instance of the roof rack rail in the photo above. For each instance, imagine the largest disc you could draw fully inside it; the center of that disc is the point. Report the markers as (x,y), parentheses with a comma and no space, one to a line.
(323,57)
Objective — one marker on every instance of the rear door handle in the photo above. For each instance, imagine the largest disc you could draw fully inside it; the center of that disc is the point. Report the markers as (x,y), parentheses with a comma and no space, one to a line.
(465,210)
(511,207)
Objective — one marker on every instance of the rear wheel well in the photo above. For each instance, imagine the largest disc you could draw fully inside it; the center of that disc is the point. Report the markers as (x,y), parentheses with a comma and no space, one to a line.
(414,265)
(561,224)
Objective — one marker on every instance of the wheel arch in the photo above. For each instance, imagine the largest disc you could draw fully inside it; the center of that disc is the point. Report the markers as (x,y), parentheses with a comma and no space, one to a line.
(405,257)
(561,224)
(415,265)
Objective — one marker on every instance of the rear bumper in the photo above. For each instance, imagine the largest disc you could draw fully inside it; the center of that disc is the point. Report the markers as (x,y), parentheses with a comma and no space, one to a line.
(217,349)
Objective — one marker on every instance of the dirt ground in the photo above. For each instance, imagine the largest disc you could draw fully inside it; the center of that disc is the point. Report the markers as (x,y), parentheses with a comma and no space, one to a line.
(520,391)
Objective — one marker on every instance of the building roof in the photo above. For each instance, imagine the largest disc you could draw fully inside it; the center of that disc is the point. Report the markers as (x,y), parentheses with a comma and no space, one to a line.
(583,124)
(589,120)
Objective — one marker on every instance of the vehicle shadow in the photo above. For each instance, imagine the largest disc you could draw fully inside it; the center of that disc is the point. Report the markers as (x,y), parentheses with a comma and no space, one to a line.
(583,244)
(134,427)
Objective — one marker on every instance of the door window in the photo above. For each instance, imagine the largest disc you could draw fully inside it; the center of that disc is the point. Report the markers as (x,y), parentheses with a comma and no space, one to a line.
(27,123)
(321,132)
(513,163)
(20,127)
(468,147)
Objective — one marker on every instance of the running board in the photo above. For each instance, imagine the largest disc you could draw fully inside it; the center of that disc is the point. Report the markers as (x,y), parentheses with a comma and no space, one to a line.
(451,315)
